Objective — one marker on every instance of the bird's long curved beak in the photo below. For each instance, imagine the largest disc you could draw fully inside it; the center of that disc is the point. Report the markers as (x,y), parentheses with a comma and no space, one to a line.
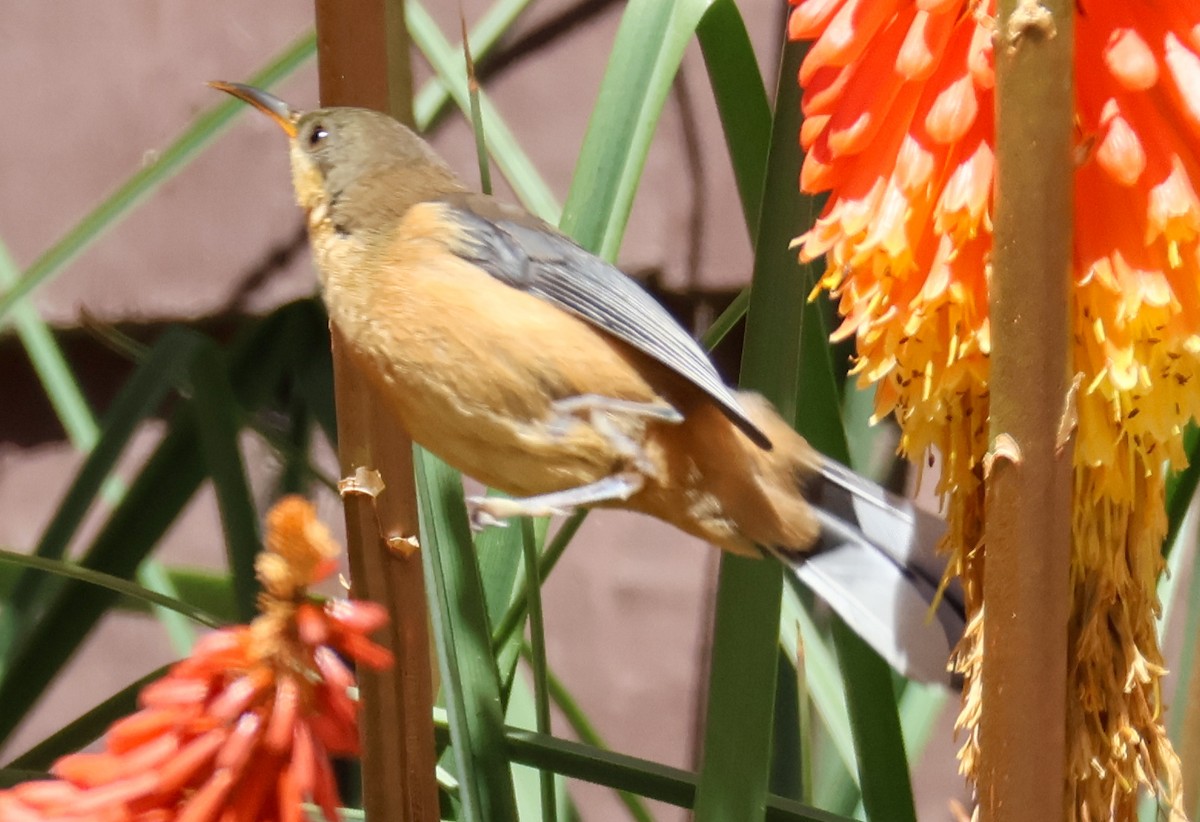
(268,104)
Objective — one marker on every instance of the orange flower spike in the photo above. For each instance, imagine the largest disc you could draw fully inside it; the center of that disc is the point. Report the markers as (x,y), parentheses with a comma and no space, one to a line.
(303,760)
(324,790)
(300,549)
(311,625)
(898,101)
(242,730)
(45,792)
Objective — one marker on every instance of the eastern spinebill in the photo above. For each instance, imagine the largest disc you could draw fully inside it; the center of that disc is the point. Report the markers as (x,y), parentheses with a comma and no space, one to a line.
(539,369)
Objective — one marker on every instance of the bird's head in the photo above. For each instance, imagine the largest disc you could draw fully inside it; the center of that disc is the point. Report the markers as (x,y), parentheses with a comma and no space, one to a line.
(352,166)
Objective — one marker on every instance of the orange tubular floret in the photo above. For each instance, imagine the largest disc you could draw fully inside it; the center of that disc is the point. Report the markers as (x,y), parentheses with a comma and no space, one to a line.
(278,735)
(191,762)
(135,730)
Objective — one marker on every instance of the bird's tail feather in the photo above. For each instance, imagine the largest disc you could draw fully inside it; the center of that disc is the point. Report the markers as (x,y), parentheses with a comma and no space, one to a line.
(876,565)
(871,555)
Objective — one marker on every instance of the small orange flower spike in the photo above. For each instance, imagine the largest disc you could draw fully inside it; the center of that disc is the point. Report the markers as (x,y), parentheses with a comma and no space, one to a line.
(243,729)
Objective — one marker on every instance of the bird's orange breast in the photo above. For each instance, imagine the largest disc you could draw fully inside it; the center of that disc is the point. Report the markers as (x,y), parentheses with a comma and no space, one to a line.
(471,365)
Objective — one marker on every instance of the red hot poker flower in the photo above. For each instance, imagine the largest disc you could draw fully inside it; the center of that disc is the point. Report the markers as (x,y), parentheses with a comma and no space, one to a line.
(898,102)
(242,730)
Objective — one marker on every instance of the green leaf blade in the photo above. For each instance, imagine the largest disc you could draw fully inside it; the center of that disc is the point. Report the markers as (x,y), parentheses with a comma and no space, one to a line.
(645,58)
(471,682)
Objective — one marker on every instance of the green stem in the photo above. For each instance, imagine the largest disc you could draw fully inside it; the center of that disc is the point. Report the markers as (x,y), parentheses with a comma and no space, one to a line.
(537,634)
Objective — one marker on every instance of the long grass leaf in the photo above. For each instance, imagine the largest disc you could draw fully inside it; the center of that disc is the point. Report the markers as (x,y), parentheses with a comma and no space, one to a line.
(582,727)
(153,577)
(727,320)
(741,98)
(82,731)
(745,115)
(48,362)
(494,23)
(1174,596)
(736,756)
(642,65)
(879,743)
(649,779)
(208,592)
(1181,491)
(506,639)
(1181,488)
(476,116)
(77,420)
(470,680)
(787,746)
(141,395)
(203,130)
(500,561)
(882,762)
(218,427)
(823,683)
(155,498)
(131,590)
(621,772)
(920,706)
(520,172)
(735,767)
(15,776)
(537,633)
(521,712)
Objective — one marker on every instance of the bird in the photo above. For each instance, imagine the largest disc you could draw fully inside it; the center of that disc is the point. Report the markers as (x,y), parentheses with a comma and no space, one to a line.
(532,365)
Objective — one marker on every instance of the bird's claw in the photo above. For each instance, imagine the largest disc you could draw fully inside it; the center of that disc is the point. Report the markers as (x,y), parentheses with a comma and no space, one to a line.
(480,516)
(486,512)
(586,406)
(621,422)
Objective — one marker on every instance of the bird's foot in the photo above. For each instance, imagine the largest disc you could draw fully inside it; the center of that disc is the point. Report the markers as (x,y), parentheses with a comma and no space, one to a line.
(589,404)
(610,418)
(493,512)
(479,517)
(486,512)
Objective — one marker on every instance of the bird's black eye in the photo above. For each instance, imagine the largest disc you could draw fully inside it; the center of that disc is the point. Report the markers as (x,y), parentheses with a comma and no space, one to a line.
(316,135)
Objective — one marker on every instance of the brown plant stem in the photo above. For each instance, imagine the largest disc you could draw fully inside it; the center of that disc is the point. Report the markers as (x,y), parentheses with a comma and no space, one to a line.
(1028,475)
(363,60)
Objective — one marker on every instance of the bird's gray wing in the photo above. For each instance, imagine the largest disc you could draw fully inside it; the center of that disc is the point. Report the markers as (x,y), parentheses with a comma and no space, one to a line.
(876,564)
(528,254)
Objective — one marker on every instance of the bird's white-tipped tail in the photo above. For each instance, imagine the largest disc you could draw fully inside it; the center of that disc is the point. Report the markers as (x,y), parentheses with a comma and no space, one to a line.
(876,565)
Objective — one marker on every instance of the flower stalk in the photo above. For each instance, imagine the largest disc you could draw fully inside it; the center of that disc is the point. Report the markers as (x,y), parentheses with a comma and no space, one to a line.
(362,56)
(1026,599)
